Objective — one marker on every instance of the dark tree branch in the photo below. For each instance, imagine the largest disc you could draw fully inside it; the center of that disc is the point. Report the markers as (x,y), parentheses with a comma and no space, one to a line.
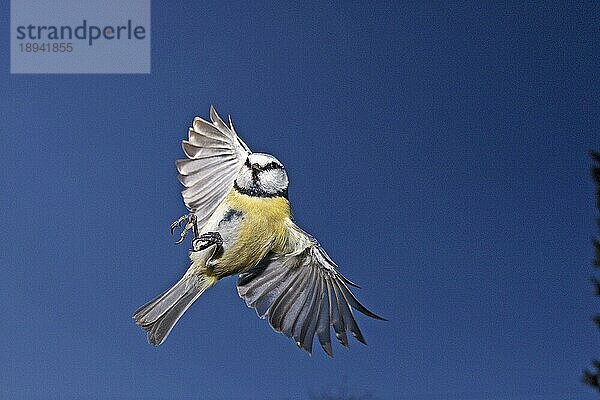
(592,378)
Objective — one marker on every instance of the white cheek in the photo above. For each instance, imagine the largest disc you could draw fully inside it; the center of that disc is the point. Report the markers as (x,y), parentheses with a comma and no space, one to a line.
(273,180)
(244,178)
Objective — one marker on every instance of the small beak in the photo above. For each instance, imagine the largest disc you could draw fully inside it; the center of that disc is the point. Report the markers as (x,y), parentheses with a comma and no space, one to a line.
(255,170)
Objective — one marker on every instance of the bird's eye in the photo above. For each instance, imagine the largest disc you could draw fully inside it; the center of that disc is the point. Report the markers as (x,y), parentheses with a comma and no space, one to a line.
(272,165)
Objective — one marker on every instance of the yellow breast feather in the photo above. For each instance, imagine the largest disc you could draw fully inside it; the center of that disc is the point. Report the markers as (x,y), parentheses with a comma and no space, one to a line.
(263,228)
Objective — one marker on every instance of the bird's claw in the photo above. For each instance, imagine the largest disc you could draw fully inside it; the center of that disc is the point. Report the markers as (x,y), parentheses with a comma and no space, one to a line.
(190,225)
(177,223)
(206,240)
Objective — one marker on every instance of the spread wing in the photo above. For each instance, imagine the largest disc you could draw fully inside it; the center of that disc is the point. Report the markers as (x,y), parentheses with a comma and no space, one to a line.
(302,294)
(215,155)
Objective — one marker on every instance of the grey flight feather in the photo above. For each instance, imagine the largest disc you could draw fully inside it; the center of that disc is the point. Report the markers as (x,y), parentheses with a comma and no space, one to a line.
(215,155)
(303,295)
(159,316)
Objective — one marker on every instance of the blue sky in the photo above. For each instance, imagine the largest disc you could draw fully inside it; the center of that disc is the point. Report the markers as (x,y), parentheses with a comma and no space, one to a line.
(438,152)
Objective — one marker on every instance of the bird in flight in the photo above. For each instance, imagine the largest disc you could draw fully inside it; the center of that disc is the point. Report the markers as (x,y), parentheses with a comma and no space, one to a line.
(242,224)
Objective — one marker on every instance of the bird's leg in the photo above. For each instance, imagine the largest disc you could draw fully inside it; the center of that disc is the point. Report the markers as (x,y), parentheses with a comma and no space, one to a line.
(206,240)
(190,224)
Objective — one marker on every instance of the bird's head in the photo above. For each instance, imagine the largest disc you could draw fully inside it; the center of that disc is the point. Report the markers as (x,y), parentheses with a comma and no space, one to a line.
(263,176)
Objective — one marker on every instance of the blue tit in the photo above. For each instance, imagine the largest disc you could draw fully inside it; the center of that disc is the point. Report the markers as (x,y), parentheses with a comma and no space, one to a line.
(242,223)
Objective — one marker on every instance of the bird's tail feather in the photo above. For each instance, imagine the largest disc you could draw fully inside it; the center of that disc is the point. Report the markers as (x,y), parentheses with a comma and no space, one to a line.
(160,315)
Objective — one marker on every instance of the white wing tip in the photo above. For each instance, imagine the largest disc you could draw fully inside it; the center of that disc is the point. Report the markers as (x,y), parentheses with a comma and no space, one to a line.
(214,117)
